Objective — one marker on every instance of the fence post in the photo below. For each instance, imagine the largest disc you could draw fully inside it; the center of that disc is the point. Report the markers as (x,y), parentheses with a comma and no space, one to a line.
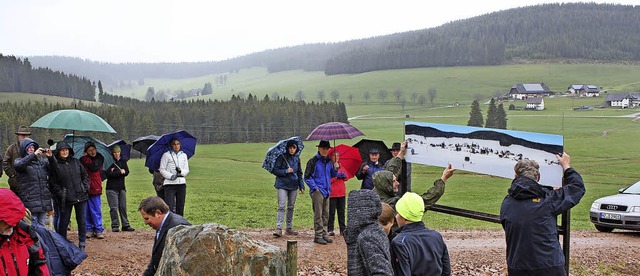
(292,258)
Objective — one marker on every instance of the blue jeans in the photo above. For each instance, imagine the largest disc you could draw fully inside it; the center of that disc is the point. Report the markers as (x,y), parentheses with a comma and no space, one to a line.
(288,198)
(65,218)
(40,218)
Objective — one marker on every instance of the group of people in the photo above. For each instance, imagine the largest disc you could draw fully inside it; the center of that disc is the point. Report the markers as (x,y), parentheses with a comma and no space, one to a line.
(385,233)
(54,181)
(48,184)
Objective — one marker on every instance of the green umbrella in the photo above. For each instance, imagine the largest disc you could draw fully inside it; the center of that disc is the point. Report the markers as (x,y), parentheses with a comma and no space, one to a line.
(73,119)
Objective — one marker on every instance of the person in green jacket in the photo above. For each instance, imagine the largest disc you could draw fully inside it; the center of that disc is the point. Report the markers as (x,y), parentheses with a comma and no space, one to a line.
(385,182)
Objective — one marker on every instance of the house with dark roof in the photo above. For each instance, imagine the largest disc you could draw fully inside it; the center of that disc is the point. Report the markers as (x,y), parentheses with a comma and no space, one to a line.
(535,103)
(523,91)
(584,90)
(623,100)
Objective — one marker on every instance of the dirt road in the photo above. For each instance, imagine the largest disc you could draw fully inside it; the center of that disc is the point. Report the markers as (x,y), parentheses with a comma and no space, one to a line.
(471,252)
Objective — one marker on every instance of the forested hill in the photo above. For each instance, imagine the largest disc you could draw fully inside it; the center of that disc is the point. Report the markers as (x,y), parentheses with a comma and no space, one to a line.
(585,31)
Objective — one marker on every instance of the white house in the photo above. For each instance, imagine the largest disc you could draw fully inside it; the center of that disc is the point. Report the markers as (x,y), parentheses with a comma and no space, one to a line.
(523,91)
(623,100)
(584,90)
(535,103)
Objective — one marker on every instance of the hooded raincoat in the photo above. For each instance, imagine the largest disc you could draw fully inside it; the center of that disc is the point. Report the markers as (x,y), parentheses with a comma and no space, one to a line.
(20,251)
(33,178)
(367,244)
(529,218)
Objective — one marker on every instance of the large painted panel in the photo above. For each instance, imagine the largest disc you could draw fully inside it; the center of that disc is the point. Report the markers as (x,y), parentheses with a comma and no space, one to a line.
(484,150)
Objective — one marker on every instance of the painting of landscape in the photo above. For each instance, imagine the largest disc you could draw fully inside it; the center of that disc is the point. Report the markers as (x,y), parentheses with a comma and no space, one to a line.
(483,150)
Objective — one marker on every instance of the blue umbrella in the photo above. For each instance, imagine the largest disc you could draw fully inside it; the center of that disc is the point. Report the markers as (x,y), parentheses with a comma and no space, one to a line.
(279,149)
(158,148)
(125,149)
(77,143)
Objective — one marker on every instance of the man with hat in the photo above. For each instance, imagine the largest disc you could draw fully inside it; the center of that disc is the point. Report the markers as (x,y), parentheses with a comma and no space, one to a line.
(368,168)
(320,169)
(404,176)
(417,250)
(11,155)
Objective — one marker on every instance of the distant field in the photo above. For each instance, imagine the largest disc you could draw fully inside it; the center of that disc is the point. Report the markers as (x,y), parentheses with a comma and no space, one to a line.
(454,84)
(26,97)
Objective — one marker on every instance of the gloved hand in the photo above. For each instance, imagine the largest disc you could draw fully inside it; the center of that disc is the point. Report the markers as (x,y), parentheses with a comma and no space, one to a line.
(173,177)
(341,175)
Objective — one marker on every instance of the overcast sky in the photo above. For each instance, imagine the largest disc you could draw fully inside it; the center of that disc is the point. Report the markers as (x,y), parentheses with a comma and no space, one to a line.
(209,30)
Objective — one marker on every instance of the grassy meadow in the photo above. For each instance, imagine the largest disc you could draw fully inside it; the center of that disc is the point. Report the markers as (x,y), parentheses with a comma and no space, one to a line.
(454,84)
(227,184)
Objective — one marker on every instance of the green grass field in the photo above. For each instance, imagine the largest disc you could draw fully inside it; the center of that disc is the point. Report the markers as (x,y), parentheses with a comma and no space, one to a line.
(454,84)
(227,184)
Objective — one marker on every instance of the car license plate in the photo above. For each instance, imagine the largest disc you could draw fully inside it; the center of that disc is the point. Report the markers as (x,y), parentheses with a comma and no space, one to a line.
(610,216)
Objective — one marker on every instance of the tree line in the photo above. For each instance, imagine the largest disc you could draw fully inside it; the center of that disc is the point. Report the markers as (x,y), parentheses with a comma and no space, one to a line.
(238,120)
(17,75)
(581,31)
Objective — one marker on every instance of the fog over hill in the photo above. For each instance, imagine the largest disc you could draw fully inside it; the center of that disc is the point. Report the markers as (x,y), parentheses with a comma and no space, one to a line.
(586,32)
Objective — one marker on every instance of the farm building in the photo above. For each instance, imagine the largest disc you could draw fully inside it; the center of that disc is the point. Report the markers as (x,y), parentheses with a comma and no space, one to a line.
(535,103)
(623,100)
(584,90)
(523,91)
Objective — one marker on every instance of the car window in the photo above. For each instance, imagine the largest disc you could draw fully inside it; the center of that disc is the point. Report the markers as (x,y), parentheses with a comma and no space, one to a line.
(633,189)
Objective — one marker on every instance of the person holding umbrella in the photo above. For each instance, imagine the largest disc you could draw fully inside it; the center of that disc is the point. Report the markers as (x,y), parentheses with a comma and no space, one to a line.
(337,196)
(116,191)
(174,167)
(368,168)
(320,169)
(288,172)
(70,186)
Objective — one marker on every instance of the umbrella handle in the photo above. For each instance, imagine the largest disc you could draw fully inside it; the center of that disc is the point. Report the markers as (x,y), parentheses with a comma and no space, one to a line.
(285,160)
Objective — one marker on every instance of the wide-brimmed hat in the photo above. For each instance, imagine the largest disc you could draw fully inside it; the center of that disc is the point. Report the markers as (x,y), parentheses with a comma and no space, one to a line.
(23,130)
(395,146)
(324,144)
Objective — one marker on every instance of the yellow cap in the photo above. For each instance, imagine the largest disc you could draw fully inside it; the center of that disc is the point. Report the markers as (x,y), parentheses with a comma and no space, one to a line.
(411,207)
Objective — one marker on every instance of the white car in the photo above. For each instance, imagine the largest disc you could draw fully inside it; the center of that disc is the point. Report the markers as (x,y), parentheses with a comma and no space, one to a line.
(621,211)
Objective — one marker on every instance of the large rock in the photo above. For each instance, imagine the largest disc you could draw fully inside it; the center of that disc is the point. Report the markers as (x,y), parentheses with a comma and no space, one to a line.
(213,249)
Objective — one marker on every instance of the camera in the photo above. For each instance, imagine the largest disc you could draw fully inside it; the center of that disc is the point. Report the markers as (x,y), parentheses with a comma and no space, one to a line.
(178,170)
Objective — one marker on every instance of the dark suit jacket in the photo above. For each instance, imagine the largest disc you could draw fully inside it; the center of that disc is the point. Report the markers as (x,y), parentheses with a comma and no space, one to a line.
(158,243)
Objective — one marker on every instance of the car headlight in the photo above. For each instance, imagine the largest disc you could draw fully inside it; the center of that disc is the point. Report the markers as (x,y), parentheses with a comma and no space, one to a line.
(636,209)
(595,205)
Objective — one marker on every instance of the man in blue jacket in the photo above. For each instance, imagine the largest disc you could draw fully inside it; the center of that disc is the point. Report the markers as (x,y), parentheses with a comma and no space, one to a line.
(368,168)
(529,218)
(320,169)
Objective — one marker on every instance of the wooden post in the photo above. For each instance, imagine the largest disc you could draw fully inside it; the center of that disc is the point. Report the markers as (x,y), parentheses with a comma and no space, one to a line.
(292,258)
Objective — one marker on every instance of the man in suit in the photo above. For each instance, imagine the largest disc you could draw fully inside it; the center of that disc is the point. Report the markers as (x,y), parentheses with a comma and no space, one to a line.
(156,214)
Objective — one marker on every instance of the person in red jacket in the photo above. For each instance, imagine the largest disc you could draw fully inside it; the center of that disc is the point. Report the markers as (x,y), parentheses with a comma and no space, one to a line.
(337,196)
(20,250)
(92,162)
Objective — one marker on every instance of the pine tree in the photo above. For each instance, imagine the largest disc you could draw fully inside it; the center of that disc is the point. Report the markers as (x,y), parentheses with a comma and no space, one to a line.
(475,118)
(502,117)
(492,115)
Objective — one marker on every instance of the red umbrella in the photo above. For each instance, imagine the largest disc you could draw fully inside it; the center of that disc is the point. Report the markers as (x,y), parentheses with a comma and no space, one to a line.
(333,131)
(350,158)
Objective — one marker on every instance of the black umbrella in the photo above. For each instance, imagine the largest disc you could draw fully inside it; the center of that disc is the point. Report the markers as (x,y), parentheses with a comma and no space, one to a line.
(365,145)
(142,144)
